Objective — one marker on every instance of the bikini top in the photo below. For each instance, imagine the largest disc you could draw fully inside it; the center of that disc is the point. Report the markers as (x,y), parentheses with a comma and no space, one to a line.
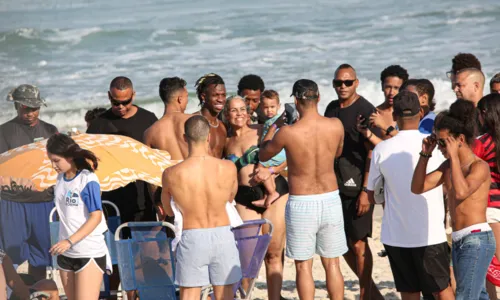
(250,157)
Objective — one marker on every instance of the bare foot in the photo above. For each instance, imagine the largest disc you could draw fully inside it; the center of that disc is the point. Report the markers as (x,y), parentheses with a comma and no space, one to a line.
(261,202)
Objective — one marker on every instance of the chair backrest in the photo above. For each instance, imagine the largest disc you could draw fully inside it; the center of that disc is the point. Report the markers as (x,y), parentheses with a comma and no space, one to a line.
(146,260)
(252,247)
(113,222)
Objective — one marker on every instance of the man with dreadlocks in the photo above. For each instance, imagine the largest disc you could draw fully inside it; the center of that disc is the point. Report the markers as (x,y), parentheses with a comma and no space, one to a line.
(211,92)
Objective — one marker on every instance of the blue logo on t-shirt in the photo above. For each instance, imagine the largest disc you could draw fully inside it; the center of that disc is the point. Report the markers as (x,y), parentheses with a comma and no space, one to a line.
(72,198)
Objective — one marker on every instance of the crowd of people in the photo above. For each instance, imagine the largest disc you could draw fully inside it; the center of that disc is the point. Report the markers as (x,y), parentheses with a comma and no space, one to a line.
(315,176)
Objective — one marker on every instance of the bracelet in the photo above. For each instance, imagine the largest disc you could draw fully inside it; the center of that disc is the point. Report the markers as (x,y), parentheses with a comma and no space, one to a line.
(271,169)
(274,126)
(426,155)
(371,134)
(70,242)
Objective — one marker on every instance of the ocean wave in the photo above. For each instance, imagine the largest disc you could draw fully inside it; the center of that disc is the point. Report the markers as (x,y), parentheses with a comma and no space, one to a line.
(65,36)
(69,113)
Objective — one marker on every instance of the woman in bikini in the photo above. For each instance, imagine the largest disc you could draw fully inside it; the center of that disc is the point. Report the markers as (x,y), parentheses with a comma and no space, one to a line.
(240,148)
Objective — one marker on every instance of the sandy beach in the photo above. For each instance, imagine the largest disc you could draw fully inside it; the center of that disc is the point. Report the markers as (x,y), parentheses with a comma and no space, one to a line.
(382,274)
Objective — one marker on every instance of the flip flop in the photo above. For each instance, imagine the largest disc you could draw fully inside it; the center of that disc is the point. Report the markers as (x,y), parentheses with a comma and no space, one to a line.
(493,274)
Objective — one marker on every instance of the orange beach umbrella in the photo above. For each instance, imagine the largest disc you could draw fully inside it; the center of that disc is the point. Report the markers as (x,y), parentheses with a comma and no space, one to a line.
(121,160)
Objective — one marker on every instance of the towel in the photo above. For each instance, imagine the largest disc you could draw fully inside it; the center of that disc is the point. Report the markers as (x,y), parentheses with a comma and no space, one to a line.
(234,220)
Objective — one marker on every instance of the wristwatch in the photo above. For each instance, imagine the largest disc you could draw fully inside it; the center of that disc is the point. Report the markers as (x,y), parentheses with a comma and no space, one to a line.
(365,189)
(389,130)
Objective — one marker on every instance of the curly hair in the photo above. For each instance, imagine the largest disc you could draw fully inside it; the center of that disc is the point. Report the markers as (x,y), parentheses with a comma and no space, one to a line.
(424,87)
(459,119)
(250,82)
(465,61)
(394,71)
(94,113)
(204,82)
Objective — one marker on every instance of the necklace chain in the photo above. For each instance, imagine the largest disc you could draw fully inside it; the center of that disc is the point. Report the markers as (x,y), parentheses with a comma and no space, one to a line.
(213,126)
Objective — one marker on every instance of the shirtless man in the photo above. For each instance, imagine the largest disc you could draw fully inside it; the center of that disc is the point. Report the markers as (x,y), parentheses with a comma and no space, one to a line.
(207,252)
(314,222)
(467,179)
(211,92)
(168,132)
(392,78)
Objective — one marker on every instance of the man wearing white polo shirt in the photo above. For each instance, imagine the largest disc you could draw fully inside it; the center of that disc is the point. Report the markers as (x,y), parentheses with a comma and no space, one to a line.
(413,231)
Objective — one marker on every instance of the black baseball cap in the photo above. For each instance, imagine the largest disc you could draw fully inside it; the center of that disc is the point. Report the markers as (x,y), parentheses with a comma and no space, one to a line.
(304,89)
(406,104)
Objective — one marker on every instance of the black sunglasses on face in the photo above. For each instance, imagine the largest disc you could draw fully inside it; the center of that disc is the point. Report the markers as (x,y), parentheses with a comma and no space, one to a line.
(338,82)
(441,143)
(115,102)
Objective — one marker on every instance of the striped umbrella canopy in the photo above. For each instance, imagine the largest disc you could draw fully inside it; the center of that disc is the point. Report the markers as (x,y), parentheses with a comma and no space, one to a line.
(122,160)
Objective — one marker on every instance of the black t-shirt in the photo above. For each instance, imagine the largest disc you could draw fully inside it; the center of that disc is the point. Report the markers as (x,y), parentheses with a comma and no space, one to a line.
(134,197)
(15,133)
(350,166)
(134,127)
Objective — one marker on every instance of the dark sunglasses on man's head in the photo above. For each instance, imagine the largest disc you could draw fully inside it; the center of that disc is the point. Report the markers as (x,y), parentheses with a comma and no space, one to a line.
(115,102)
(338,82)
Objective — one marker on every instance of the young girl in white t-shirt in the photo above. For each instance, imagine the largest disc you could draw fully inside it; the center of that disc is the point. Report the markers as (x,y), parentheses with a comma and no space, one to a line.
(81,249)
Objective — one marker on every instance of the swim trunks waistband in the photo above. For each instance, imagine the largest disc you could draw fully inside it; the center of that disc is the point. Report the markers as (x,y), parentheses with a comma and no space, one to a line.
(329,195)
(195,230)
(460,234)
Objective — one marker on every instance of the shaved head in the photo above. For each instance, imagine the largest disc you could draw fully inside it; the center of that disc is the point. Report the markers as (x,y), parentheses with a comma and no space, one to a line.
(474,75)
(196,129)
(347,68)
(469,85)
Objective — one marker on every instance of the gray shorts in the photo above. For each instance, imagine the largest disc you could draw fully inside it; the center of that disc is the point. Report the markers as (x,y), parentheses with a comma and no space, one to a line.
(207,256)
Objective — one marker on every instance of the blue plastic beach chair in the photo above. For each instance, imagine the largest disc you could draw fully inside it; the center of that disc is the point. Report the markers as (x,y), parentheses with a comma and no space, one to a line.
(146,261)
(112,221)
(252,247)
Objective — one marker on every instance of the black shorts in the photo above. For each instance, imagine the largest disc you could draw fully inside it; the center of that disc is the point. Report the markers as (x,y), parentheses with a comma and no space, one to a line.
(76,265)
(356,228)
(423,269)
(247,194)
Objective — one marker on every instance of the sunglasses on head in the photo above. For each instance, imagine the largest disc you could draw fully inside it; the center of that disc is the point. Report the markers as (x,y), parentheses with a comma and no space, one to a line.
(338,82)
(115,102)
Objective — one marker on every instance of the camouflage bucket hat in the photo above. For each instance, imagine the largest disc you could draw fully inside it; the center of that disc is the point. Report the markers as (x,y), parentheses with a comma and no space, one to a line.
(28,95)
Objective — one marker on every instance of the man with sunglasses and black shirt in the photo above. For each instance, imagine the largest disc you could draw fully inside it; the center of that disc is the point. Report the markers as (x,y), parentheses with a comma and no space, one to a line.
(125,118)
(352,169)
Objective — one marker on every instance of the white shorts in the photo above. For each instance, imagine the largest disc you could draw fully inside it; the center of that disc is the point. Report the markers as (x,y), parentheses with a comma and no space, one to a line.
(315,224)
(493,215)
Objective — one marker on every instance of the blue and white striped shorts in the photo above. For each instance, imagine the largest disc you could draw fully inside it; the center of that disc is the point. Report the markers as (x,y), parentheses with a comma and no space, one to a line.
(315,224)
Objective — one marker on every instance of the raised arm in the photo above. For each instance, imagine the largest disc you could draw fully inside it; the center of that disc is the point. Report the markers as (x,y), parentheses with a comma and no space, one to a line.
(270,147)
(421,181)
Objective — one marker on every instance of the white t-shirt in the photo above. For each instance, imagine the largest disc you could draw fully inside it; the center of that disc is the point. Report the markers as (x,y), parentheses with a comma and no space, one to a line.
(75,199)
(409,220)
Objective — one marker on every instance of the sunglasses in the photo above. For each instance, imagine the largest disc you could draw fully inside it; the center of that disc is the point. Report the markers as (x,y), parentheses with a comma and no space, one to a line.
(441,143)
(338,82)
(115,102)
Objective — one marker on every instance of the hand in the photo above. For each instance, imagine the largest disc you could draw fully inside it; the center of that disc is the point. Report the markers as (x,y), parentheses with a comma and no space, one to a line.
(451,146)
(377,120)
(281,120)
(363,129)
(60,247)
(429,144)
(363,204)
(261,174)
